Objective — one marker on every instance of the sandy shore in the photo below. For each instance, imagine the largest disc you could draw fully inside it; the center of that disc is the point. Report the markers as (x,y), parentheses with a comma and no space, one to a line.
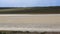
(36,22)
(30,18)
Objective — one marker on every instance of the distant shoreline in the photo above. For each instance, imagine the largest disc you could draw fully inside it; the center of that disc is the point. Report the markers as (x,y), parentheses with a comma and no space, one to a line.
(30,10)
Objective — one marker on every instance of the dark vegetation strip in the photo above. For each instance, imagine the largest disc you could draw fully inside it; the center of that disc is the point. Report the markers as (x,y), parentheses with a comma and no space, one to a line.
(33,10)
(27,32)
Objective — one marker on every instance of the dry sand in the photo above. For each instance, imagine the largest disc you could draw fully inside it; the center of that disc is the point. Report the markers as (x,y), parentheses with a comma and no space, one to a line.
(30,18)
(36,22)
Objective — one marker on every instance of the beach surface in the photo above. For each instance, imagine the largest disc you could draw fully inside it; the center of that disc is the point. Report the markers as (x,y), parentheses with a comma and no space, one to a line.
(30,22)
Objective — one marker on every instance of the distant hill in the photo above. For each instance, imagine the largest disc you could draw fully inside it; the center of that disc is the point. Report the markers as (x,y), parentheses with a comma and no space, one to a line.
(30,10)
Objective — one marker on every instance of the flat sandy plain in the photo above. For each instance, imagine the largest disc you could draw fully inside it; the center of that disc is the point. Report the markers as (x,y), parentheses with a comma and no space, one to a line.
(30,22)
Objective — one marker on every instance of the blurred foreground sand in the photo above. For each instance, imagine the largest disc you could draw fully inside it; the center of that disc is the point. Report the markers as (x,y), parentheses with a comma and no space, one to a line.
(30,18)
(30,22)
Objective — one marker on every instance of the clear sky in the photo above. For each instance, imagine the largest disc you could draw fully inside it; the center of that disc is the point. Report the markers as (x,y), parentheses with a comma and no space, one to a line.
(28,3)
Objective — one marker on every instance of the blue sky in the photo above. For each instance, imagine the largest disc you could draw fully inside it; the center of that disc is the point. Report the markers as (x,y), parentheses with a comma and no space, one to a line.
(28,3)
